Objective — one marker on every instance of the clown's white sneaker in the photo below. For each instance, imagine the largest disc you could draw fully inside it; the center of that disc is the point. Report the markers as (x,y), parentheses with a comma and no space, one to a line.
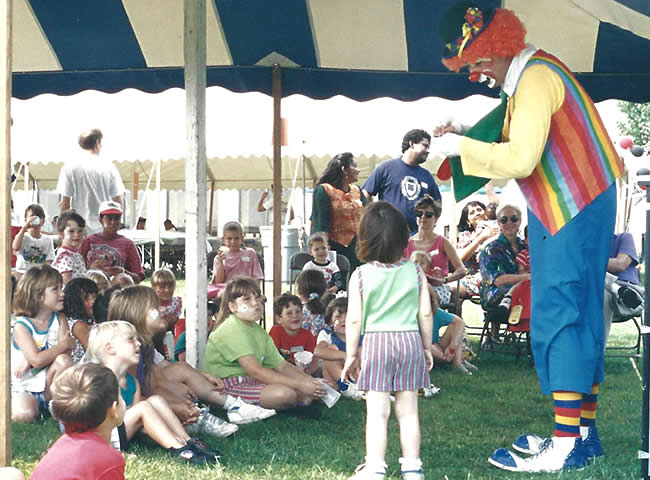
(555,454)
(528,444)
(531,444)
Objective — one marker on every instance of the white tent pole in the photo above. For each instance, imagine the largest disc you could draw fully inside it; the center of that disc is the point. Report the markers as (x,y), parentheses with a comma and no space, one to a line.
(5,255)
(146,189)
(195,184)
(277,180)
(157,230)
(135,180)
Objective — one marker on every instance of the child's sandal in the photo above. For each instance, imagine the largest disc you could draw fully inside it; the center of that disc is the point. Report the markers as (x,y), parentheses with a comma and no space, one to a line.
(199,446)
(188,455)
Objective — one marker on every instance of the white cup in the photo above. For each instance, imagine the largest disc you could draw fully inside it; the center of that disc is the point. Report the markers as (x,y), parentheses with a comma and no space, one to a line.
(303,359)
(331,395)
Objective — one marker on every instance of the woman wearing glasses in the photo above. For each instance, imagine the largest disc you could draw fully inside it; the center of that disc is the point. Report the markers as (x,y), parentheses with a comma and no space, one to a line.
(439,249)
(499,271)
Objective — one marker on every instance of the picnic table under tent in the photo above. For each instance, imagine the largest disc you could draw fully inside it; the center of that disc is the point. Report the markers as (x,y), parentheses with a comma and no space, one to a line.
(359,48)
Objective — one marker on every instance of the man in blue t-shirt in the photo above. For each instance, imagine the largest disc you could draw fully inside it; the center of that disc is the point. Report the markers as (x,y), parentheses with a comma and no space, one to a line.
(403,181)
(623,259)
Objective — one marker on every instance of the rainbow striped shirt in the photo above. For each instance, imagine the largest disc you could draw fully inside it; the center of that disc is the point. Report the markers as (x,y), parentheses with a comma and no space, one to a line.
(579,161)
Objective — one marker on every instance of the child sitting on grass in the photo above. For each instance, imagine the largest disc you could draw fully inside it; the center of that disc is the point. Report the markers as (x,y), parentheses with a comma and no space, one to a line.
(86,399)
(289,337)
(331,347)
(40,343)
(30,245)
(449,347)
(319,248)
(101,278)
(233,259)
(179,383)
(115,345)
(311,288)
(163,283)
(244,355)
(78,302)
(68,261)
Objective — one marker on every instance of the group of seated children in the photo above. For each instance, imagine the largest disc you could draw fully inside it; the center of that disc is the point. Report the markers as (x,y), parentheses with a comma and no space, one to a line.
(53,330)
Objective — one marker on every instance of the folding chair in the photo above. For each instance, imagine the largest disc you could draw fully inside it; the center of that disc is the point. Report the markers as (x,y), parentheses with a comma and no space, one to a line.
(296,264)
(344,266)
(622,315)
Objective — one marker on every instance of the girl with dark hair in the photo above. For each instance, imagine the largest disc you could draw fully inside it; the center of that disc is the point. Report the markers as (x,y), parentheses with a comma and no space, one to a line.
(474,231)
(311,288)
(78,302)
(388,303)
(338,205)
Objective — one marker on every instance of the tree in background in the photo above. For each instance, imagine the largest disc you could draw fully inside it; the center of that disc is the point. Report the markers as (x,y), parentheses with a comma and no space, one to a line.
(637,123)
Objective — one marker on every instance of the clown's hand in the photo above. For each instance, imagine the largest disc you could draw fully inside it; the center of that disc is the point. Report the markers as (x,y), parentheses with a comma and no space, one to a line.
(446,146)
(449,126)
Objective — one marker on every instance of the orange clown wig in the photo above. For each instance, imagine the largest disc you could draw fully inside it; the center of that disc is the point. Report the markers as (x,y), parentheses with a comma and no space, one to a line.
(470,33)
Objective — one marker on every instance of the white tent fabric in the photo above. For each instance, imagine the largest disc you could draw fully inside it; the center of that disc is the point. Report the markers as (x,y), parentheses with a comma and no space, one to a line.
(140,129)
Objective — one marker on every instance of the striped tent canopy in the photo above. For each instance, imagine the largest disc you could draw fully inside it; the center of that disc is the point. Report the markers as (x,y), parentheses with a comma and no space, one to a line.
(361,49)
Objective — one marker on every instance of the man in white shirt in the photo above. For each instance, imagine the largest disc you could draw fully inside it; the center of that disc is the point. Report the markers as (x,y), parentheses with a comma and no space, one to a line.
(88,180)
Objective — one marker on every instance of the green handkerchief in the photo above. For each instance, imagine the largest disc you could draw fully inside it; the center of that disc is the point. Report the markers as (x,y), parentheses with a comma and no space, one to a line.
(487,129)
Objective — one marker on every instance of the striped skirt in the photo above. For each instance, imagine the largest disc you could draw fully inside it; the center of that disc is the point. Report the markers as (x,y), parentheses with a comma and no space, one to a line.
(393,362)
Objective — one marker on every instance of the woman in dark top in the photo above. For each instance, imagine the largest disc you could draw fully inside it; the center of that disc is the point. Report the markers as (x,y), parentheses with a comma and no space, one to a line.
(338,205)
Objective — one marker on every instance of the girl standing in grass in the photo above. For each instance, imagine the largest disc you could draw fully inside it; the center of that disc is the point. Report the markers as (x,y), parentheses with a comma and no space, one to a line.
(389,303)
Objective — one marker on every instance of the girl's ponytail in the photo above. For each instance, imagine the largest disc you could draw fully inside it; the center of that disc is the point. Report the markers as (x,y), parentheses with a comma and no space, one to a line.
(312,286)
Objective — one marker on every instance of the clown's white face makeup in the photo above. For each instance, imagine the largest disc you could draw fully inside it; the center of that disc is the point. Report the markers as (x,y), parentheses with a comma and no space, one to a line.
(491,71)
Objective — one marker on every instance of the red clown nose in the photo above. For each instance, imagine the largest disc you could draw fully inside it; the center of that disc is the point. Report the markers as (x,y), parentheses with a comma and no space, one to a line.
(474,77)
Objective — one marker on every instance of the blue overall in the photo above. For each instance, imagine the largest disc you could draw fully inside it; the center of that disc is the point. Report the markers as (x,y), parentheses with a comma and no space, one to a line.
(567,285)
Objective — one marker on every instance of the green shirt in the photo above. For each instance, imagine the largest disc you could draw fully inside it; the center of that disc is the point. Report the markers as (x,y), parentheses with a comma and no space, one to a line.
(234,339)
(390,295)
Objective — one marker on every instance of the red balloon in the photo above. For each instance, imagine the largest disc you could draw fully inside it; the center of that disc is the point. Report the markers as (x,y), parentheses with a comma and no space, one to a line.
(626,142)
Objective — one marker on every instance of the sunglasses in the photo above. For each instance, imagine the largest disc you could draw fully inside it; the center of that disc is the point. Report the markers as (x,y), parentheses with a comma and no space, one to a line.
(419,213)
(513,219)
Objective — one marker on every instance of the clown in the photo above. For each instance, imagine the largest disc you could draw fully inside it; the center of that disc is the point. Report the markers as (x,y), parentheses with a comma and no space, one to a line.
(553,142)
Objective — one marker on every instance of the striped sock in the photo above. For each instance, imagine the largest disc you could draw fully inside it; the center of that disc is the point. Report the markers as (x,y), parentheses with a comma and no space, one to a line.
(589,407)
(567,413)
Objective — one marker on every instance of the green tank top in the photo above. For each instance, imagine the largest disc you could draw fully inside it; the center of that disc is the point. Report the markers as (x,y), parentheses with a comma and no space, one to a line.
(390,295)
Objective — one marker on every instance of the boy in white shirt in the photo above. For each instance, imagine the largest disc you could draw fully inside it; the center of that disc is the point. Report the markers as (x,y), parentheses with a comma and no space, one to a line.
(30,245)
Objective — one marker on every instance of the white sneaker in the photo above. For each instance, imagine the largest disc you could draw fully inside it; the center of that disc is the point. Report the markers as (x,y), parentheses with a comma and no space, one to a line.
(210,425)
(555,454)
(363,473)
(411,470)
(352,392)
(241,412)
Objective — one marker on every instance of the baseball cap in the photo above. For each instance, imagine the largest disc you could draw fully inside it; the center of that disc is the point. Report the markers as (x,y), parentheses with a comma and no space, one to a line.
(110,207)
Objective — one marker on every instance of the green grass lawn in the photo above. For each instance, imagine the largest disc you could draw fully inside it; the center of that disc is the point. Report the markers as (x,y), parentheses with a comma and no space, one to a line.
(460,428)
